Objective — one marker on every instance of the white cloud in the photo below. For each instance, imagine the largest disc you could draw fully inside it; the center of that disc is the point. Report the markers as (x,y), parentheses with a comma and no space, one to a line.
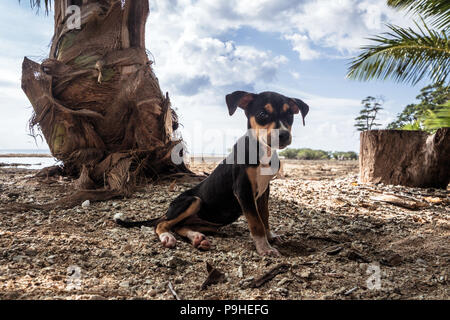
(188,51)
(301,44)
(341,25)
(295,74)
(198,66)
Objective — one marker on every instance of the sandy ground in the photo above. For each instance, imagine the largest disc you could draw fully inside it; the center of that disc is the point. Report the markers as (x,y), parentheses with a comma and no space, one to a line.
(339,243)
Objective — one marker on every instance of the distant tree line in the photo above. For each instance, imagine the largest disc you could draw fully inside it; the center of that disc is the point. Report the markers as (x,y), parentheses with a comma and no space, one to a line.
(310,154)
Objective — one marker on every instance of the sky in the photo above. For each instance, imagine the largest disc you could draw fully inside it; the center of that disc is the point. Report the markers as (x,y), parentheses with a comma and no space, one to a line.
(203,50)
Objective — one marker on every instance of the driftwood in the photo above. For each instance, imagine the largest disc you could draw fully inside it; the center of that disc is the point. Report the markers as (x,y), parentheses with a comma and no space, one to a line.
(409,158)
(404,202)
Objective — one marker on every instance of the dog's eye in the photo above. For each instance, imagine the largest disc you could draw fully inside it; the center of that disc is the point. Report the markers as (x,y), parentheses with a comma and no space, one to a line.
(262,115)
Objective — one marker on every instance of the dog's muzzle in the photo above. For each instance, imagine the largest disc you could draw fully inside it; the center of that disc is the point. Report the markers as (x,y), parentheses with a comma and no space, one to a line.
(284,138)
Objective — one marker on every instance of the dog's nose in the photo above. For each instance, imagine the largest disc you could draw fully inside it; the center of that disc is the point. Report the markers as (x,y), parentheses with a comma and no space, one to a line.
(284,136)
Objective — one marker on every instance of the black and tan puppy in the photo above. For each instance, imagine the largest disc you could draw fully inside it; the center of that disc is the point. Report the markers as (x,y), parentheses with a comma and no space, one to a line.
(240,183)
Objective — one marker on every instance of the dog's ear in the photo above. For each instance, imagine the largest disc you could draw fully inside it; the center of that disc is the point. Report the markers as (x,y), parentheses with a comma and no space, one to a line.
(297,106)
(238,99)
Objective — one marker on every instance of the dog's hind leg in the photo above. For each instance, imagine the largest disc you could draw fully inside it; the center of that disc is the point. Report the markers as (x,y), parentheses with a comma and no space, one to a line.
(197,238)
(179,210)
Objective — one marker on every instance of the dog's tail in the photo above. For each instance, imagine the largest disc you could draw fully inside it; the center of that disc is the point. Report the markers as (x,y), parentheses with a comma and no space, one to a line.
(133,224)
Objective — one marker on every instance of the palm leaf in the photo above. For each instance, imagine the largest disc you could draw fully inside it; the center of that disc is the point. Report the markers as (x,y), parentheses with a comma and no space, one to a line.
(404,55)
(439,118)
(437,10)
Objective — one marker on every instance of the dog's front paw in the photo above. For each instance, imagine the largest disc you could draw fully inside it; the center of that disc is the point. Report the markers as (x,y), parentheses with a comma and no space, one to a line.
(274,238)
(168,240)
(269,251)
(263,247)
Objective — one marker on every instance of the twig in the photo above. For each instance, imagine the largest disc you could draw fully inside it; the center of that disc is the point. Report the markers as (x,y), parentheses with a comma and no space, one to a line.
(350,291)
(281,268)
(172,290)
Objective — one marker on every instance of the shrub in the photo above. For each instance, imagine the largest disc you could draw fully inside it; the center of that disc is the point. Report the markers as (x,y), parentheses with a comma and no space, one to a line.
(311,154)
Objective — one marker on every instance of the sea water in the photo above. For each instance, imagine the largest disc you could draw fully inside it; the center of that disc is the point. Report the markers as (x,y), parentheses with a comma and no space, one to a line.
(34,163)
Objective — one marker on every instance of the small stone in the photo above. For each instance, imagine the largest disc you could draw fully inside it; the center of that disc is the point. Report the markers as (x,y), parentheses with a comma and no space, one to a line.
(240,272)
(306,274)
(421,262)
(283,292)
(152,293)
(19,258)
(391,259)
(30,252)
(284,281)
(145,229)
(178,280)
(104,253)
(174,262)
(124,284)
(51,259)
(118,216)
(86,204)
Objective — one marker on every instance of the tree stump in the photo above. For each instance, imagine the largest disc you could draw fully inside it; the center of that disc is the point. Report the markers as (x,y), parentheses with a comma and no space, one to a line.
(409,158)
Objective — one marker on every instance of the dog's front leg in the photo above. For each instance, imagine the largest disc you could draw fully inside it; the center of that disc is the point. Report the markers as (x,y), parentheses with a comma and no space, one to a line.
(245,196)
(263,210)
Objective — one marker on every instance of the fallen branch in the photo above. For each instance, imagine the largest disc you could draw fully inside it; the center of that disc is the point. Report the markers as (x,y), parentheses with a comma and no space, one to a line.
(258,282)
(404,202)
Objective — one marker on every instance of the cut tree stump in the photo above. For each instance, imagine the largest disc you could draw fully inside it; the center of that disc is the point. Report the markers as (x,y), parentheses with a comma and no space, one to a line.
(408,158)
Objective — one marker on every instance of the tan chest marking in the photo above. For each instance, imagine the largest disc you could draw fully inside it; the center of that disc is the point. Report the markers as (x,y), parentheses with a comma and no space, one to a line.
(259,180)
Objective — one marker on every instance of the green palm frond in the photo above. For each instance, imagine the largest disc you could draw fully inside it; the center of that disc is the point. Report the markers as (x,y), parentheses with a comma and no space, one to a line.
(439,118)
(404,55)
(431,120)
(437,10)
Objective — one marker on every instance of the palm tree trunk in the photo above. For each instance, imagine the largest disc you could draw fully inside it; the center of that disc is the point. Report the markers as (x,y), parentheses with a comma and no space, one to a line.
(98,102)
